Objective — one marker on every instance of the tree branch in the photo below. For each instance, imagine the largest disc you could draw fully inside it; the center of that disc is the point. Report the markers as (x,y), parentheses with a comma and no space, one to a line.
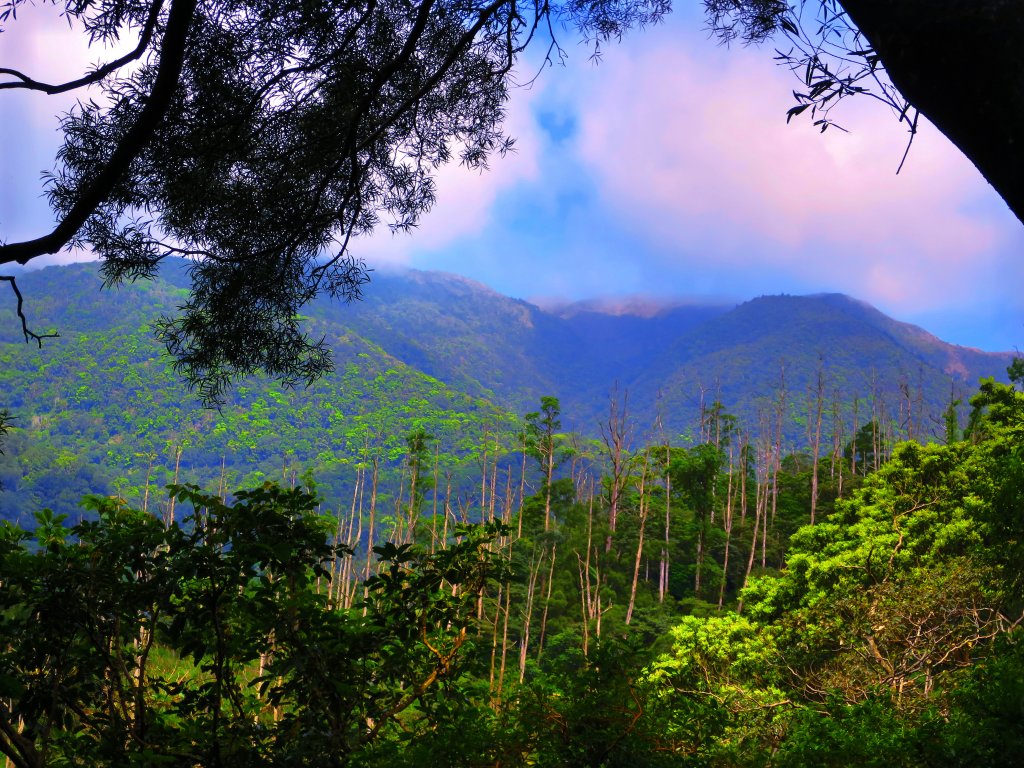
(172,59)
(958,63)
(27,83)
(29,334)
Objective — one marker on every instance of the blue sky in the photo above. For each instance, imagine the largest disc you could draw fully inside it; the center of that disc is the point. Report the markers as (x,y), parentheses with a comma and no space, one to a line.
(668,170)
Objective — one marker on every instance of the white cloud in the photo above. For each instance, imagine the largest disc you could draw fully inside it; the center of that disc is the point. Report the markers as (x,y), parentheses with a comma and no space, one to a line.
(466,198)
(688,142)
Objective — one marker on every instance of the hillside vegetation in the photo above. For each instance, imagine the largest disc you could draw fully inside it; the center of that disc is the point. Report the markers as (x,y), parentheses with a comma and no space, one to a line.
(601,604)
(101,410)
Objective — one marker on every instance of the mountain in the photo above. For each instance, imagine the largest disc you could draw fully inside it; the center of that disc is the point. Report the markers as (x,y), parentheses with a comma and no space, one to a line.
(514,352)
(101,406)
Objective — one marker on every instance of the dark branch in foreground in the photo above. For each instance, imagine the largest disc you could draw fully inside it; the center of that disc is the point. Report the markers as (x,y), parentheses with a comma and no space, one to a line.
(30,335)
(94,194)
(24,82)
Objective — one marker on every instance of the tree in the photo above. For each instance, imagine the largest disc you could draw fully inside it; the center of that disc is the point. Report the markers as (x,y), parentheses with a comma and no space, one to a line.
(5,425)
(694,476)
(885,609)
(214,642)
(256,139)
(544,444)
(957,63)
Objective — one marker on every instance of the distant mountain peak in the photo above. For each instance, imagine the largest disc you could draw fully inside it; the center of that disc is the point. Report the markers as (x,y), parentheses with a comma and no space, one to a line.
(634,305)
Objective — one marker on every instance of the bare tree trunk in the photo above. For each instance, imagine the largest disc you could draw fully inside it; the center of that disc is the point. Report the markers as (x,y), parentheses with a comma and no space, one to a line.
(504,640)
(433,513)
(616,436)
(177,464)
(338,566)
(704,430)
(398,532)
(876,438)
(524,642)
(483,478)
(819,403)
(506,510)
(522,491)
(370,524)
(906,408)
(584,572)
(549,473)
(640,541)
(885,436)
(547,603)
(145,495)
(856,430)
(494,487)
(699,564)
(222,492)
(919,407)
(664,569)
(837,444)
(727,523)
(354,544)
(744,461)
(759,513)
(494,641)
(447,508)
(777,464)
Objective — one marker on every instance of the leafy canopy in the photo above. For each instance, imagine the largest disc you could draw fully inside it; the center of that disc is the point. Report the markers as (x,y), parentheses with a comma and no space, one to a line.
(258,138)
(214,640)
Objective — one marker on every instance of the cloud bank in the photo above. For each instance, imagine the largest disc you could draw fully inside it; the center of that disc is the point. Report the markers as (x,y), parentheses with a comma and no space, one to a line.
(693,150)
(668,170)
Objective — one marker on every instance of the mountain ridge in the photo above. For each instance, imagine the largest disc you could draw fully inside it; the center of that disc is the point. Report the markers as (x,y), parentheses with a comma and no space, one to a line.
(478,340)
(444,354)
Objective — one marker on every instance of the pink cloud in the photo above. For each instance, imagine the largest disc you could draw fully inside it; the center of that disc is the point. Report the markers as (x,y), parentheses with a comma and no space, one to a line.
(689,143)
(466,198)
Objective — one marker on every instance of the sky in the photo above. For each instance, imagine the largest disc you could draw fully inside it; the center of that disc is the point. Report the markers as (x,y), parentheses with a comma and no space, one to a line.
(667,170)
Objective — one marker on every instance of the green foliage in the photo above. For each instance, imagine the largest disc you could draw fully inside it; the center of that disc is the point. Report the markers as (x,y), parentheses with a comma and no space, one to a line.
(242,633)
(985,726)
(587,710)
(422,347)
(5,425)
(871,733)
(886,631)
(99,406)
(213,641)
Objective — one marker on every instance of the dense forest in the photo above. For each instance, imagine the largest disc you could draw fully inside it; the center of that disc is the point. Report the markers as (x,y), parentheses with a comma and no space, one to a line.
(102,410)
(612,601)
(396,566)
(783,533)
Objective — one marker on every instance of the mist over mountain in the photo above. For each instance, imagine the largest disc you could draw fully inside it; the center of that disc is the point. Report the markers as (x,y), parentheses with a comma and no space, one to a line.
(442,353)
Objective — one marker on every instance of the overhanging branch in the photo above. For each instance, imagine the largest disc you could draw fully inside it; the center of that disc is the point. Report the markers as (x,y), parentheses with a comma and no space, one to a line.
(24,82)
(172,58)
(30,335)
(959,63)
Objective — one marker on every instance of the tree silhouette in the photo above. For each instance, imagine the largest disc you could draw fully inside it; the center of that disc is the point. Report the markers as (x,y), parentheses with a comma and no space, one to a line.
(257,138)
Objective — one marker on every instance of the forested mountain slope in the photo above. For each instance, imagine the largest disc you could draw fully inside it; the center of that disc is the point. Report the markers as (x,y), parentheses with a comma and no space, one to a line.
(100,409)
(477,340)
(441,353)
